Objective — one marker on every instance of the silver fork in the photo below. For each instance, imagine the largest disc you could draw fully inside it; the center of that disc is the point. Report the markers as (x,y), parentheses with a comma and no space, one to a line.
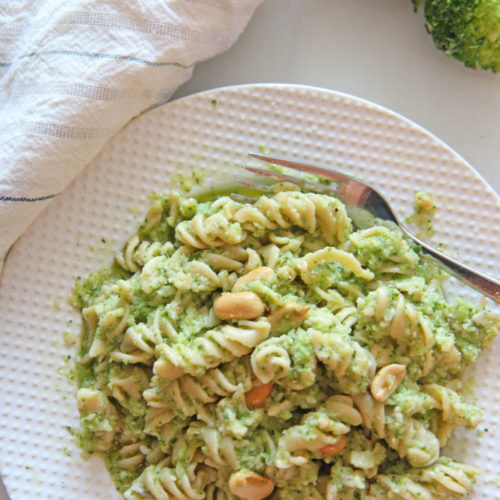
(365,205)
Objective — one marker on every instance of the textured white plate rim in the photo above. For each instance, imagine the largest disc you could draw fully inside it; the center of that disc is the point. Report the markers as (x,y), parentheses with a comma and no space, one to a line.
(333,92)
(285,87)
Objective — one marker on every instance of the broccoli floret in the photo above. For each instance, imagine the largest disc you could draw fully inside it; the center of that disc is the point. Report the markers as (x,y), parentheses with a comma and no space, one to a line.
(468,30)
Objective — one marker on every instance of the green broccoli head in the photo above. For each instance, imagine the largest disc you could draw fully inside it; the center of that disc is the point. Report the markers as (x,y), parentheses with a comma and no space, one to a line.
(468,30)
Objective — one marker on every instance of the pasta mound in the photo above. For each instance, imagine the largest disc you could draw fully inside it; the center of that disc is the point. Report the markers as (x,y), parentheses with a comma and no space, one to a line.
(275,339)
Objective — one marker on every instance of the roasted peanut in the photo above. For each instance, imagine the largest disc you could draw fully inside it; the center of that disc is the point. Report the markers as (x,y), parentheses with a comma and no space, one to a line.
(335,448)
(239,305)
(386,381)
(258,394)
(259,274)
(250,486)
(292,313)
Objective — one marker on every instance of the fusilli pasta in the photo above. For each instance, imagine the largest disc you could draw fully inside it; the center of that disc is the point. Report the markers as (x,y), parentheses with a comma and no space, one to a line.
(238,349)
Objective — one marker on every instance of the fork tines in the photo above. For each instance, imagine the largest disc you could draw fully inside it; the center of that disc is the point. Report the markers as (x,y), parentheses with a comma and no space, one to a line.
(302,167)
(311,185)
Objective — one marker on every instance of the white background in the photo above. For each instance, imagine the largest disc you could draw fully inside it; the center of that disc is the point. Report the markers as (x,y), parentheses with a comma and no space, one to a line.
(375,49)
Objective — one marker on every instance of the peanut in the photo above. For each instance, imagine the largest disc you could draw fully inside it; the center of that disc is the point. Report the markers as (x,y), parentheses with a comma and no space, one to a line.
(335,448)
(239,305)
(386,381)
(250,486)
(259,274)
(293,313)
(258,394)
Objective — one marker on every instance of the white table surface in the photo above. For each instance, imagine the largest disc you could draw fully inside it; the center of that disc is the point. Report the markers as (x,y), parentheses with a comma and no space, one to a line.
(375,49)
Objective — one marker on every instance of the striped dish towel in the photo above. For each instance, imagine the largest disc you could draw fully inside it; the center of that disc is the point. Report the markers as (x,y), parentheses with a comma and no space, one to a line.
(74,72)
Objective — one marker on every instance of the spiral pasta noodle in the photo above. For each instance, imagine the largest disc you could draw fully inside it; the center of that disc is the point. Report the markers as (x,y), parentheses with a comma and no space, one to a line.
(138,345)
(406,435)
(132,454)
(318,429)
(104,321)
(137,253)
(214,347)
(215,230)
(353,365)
(276,360)
(440,480)
(188,394)
(127,385)
(305,210)
(270,359)
(162,483)
(225,450)
(452,406)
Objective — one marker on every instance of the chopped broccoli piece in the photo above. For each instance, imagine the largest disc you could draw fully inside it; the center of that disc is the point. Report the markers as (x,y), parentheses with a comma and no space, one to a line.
(468,30)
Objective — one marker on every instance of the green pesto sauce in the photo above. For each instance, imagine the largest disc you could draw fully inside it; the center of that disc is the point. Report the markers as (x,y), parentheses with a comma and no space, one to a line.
(168,377)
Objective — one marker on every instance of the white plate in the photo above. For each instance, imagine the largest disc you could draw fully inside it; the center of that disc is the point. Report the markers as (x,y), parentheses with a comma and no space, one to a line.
(209,132)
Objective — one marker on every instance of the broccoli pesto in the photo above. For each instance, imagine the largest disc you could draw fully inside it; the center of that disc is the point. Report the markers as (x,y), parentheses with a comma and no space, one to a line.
(273,347)
(423,214)
(468,30)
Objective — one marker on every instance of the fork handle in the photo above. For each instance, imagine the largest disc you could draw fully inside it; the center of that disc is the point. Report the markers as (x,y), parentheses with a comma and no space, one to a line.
(480,282)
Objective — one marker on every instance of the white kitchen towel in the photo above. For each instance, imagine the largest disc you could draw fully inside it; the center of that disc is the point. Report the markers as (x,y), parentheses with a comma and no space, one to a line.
(74,72)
